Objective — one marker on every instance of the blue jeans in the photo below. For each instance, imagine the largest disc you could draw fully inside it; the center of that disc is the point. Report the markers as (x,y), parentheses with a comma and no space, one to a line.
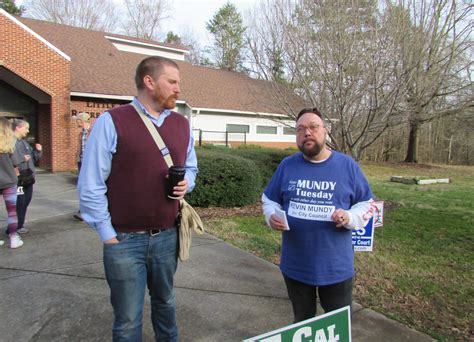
(141,260)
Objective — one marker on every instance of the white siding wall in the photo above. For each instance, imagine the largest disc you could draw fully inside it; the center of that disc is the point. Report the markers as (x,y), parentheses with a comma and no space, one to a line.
(150,51)
(208,122)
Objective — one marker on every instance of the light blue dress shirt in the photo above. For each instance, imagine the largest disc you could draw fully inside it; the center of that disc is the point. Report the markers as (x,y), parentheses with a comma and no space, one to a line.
(96,167)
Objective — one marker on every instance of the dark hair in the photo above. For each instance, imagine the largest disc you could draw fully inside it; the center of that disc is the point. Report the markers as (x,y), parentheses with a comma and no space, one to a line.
(152,66)
(313,110)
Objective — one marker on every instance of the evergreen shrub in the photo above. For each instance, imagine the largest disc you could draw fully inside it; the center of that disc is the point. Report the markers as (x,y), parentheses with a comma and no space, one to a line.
(225,180)
(266,159)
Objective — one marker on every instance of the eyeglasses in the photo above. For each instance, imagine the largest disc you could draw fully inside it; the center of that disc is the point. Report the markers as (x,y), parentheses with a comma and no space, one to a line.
(313,128)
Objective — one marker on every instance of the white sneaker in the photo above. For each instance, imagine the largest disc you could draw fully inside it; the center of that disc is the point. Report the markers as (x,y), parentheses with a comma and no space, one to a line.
(2,242)
(15,241)
(23,230)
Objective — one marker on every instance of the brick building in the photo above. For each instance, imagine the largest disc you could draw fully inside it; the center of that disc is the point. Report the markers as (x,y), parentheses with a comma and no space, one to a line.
(50,72)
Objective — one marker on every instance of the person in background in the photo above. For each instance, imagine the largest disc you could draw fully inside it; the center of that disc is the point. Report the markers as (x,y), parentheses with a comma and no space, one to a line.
(8,180)
(29,156)
(324,195)
(123,197)
(83,121)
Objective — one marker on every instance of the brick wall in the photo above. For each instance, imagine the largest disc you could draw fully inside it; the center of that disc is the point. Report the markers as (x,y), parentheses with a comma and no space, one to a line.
(37,64)
(44,134)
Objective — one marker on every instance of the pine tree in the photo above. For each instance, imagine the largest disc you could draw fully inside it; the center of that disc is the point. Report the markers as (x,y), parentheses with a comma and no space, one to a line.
(172,38)
(10,7)
(227,28)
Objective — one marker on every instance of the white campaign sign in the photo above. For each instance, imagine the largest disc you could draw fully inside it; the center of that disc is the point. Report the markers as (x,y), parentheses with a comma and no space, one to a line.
(311,211)
(378,214)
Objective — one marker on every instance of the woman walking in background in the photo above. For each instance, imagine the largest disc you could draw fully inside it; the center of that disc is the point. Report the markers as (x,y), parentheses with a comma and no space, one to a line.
(8,180)
(28,156)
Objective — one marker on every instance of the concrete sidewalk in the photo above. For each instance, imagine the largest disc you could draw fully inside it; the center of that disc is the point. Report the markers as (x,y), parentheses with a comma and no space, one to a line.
(54,289)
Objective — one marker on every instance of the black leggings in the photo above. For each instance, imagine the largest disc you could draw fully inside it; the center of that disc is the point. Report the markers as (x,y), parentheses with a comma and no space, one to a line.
(303,297)
(22,203)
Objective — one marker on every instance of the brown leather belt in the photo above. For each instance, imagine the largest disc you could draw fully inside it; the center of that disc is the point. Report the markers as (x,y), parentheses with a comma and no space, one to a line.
(152,232)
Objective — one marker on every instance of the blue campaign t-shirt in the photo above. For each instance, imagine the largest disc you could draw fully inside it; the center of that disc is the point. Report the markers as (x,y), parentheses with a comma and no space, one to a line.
(314,250)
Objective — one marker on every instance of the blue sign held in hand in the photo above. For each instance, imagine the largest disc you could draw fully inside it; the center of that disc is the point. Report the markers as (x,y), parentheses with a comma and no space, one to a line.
(363,238)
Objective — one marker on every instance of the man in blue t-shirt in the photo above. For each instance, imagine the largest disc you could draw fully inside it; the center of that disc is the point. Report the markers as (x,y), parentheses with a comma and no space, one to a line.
(324,195)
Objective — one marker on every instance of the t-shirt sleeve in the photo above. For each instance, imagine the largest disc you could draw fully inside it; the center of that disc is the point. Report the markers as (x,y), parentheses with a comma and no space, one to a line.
(362,191)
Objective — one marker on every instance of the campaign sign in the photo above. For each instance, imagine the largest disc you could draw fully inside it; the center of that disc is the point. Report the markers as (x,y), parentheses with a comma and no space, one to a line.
(334,326)
(378,214)
(363,238)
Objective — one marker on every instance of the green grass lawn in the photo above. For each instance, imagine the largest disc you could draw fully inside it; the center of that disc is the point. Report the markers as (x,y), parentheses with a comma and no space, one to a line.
(421,269)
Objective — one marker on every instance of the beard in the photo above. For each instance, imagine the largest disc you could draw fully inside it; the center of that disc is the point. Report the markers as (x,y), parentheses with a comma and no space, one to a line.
(170,102)
(313,151)
(163,103)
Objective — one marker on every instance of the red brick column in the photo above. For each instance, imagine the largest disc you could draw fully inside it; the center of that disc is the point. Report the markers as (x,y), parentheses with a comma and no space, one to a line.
(46,69)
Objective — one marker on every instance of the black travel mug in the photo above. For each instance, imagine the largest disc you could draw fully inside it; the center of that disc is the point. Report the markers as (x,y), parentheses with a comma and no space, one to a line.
(175,175)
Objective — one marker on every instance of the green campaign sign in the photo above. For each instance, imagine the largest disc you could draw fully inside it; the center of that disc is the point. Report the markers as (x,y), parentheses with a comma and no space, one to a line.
(334,326)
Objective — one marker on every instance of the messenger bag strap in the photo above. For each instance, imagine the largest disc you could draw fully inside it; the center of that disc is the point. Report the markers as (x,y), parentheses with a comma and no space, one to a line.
(155,134)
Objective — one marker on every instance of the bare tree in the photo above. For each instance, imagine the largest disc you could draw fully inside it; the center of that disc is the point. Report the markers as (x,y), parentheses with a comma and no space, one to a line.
(335,56)
(453,141)
(98,15)
(370,66)
(143,17)
(432,39)
(265,37)
(196,54)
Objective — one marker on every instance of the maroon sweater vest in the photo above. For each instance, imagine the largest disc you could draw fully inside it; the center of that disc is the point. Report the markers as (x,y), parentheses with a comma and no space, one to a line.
(136,185)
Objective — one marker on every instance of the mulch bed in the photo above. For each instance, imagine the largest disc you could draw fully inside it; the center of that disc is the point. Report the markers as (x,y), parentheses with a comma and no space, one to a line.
(215,212)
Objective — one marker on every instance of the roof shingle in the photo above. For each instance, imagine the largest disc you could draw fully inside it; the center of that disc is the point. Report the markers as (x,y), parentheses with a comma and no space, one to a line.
(97,67)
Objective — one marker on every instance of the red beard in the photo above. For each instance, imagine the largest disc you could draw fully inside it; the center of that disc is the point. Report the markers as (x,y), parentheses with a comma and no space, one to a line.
(170,102)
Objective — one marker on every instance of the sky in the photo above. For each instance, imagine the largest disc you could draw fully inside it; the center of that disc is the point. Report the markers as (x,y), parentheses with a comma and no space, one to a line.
(192,15)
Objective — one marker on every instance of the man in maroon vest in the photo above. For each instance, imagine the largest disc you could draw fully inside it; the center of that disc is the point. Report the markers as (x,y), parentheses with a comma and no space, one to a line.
(122,196)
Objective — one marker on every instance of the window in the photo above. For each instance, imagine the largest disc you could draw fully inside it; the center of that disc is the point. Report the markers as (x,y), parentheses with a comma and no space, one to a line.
(289,131)
(232,128)
(266,130)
